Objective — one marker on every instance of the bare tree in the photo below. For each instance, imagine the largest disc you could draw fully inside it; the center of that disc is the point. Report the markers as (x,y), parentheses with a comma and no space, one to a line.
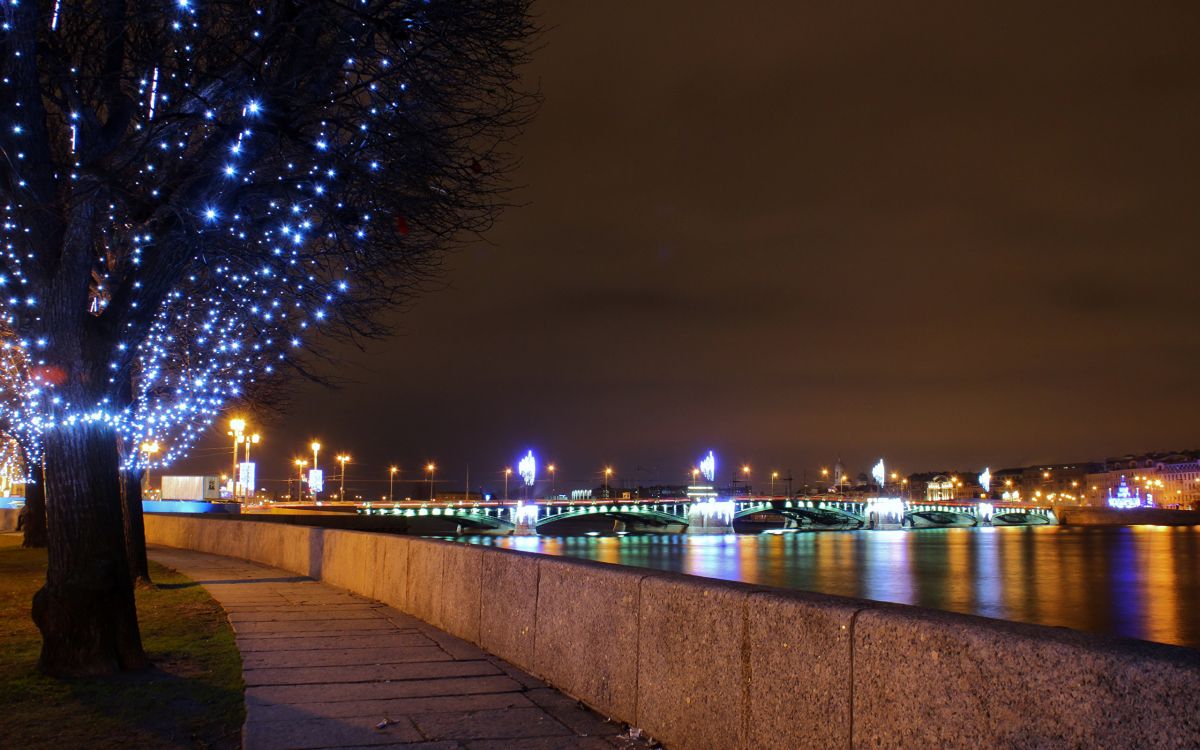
(287,168)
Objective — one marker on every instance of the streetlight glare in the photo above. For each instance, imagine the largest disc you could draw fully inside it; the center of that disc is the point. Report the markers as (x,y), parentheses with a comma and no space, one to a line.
(315,445)
(237,425)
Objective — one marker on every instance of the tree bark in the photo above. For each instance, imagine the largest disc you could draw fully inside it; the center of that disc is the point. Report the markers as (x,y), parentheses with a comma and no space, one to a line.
(135,526)
(86,610)
(35,507)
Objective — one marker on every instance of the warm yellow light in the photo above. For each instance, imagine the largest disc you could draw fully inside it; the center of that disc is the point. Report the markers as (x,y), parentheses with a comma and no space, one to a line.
(393,469)
(550,468)
(745,469)
(774,474)
(507,471)
(895,476)
(607,471)
(301,462)
(1045,475)
(255,438)
(430,467)
(237,425)
(343,457)
(315,445)
(150,447)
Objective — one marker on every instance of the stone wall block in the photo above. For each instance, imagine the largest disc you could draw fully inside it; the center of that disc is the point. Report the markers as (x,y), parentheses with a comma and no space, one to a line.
(423,579)
(458,606)
(937,679)
(587,630)
(508,614)
(392,570)
(691,673)
(798,670)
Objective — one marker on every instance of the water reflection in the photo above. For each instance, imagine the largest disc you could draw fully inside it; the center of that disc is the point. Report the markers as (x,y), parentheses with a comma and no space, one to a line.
(1140,582)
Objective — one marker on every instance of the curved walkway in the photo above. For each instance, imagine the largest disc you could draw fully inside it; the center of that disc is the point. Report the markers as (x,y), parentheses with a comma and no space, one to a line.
(327,669)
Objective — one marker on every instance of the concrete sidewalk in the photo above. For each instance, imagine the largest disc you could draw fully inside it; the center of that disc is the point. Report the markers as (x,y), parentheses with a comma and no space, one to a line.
(327,669)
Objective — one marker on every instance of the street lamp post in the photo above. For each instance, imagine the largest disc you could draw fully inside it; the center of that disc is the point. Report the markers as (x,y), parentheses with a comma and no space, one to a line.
(300,464)
(774,476)
(392,484)
(430,467)
(507,474)
(746,479)
(149,447)
(343,459)
(237,428)
(550,469)
(607,474)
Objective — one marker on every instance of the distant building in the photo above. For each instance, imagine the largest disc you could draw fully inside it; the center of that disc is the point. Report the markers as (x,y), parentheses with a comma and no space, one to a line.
(1170,480)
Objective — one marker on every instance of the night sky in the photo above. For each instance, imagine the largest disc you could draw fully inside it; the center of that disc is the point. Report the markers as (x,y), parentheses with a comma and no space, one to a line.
(945,235)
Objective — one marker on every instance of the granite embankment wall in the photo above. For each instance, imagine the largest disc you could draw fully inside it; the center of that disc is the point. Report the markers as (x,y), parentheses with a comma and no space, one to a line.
(1096,516)
(699,663)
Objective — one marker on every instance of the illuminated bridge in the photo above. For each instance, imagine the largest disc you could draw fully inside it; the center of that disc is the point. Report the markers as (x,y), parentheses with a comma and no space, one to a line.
(717,516)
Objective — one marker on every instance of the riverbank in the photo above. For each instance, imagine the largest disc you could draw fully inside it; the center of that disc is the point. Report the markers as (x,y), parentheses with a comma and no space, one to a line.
(698,663)
(192,697)
(1087,516)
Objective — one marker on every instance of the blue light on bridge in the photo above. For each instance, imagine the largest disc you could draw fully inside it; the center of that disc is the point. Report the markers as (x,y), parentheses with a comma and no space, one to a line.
(527,468)
(708,467)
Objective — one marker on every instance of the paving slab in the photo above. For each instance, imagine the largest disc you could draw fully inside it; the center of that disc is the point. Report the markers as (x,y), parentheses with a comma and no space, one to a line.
(327,669)
(316,642)
(347,656)
(367,673)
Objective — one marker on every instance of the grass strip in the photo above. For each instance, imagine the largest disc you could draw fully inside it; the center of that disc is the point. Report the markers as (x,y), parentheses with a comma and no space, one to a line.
(191,698)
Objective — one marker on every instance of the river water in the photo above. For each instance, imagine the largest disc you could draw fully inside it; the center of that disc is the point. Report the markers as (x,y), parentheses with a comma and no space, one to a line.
(1140,582)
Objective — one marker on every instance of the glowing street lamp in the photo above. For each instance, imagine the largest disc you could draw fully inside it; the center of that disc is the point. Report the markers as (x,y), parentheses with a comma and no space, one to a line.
(507,474)
(607,473)
(392,483)
(316,448)
(550,468)
(343,459)
(774,476)
(430,467)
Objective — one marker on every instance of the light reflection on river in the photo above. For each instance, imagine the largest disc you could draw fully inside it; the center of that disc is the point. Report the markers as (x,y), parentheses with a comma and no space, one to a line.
(1140,582)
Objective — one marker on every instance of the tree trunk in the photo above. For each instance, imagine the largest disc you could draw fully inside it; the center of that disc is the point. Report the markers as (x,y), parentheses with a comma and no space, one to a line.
(86,610)
(135,526)
(35,507)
